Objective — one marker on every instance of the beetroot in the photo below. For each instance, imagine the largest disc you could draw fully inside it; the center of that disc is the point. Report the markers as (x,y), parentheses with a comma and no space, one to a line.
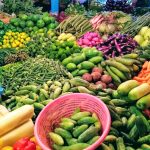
(87,77)
(96,76)
(102,84)
(106,79)
(96,69)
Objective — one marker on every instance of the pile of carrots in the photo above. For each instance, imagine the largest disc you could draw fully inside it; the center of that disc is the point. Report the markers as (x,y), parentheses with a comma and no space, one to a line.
(144,75)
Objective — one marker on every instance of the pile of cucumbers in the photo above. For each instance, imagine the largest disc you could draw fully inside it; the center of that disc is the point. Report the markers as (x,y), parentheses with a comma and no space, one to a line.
(77,132)
(80,63)
(123,68)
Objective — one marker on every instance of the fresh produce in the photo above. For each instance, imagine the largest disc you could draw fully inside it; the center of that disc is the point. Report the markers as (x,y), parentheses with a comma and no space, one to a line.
(122,68)
(25,130)
(134,27)
(66,37)
(24,143)
(3,111)
(143,76)
(143,37)
(18,56)
(76,25)
(4,52)
(33,22)
(15,40)
(90,39)
(135,92)
(122,5)
(79,131)
(116,45)
(74,9)
(110,22)
(34,70)
(15,118)
(99,78)
(83,62)
(26,6)
(61,16)
(143,52)
(49,46)
(5,17)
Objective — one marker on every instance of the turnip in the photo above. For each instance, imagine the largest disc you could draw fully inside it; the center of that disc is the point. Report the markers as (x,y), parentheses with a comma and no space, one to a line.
(87,77)
(96,76)
(97,69)
(106,78)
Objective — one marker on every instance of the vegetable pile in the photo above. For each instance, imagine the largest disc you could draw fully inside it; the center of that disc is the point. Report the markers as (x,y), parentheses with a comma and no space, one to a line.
(34,70)
(83,49)
(90,39)
(116,45)
(80,130)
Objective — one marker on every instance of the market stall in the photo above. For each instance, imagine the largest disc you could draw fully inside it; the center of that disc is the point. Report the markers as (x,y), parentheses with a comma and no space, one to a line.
(75,79)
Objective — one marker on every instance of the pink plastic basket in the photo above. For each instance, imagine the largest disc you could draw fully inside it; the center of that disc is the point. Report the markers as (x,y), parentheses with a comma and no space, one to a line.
(64,106)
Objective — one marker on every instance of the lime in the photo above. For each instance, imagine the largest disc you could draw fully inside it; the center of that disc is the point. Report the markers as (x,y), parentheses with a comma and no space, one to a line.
(40,24)
(23,17)
(71,66)
(29,23)
(35,28)
(51,26)
(22,24)
(13,20)
(29,17)
(45,14)
(35,18)
(52,19)
(46,19)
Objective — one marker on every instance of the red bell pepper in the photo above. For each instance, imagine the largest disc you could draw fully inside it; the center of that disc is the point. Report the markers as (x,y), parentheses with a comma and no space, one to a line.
(147,112)
(24,144)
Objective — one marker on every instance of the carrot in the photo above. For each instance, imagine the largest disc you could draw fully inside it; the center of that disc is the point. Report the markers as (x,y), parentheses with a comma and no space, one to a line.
(145,65)
(148,66)
(139,79)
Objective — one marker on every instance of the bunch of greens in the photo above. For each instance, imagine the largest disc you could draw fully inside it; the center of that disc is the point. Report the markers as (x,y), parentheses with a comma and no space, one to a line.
(17,6)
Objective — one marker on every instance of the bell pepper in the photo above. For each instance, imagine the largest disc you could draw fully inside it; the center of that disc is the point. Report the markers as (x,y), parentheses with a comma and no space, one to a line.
(24,144)
(147,112)
(7,148)
(34,140)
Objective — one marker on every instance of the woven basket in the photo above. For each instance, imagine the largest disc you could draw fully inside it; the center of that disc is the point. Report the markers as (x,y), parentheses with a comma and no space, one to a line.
(64,106)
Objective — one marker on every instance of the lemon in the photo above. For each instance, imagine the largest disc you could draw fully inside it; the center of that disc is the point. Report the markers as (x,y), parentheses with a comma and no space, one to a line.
(22,40)
(14,45)
(28,39)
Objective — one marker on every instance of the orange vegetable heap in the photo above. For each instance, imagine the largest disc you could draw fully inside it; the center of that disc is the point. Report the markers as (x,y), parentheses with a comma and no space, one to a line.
(144,75)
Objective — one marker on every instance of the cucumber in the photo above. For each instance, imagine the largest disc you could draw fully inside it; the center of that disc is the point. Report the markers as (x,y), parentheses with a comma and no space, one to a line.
(87,65)
(80,115)
(133,132)
(110,138)
(95,60)
(63,133)
(57,139)
(131,121)
(132,55)
(120,144)
(79,82)
(83,71)
(75,72)
(91,53)
(93,140)
(79,59)
(87,120)
(67,125)
(139,91)
(88,134)
(68,120)
(71,66)
(22,92)
(144,139)
(143,102)
(126,87)
(83,89)
(79,130)
(72,141)
(67,60)
(78,146)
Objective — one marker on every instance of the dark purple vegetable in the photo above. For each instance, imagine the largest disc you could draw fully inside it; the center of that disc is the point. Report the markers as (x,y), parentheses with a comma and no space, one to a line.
(116,45)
